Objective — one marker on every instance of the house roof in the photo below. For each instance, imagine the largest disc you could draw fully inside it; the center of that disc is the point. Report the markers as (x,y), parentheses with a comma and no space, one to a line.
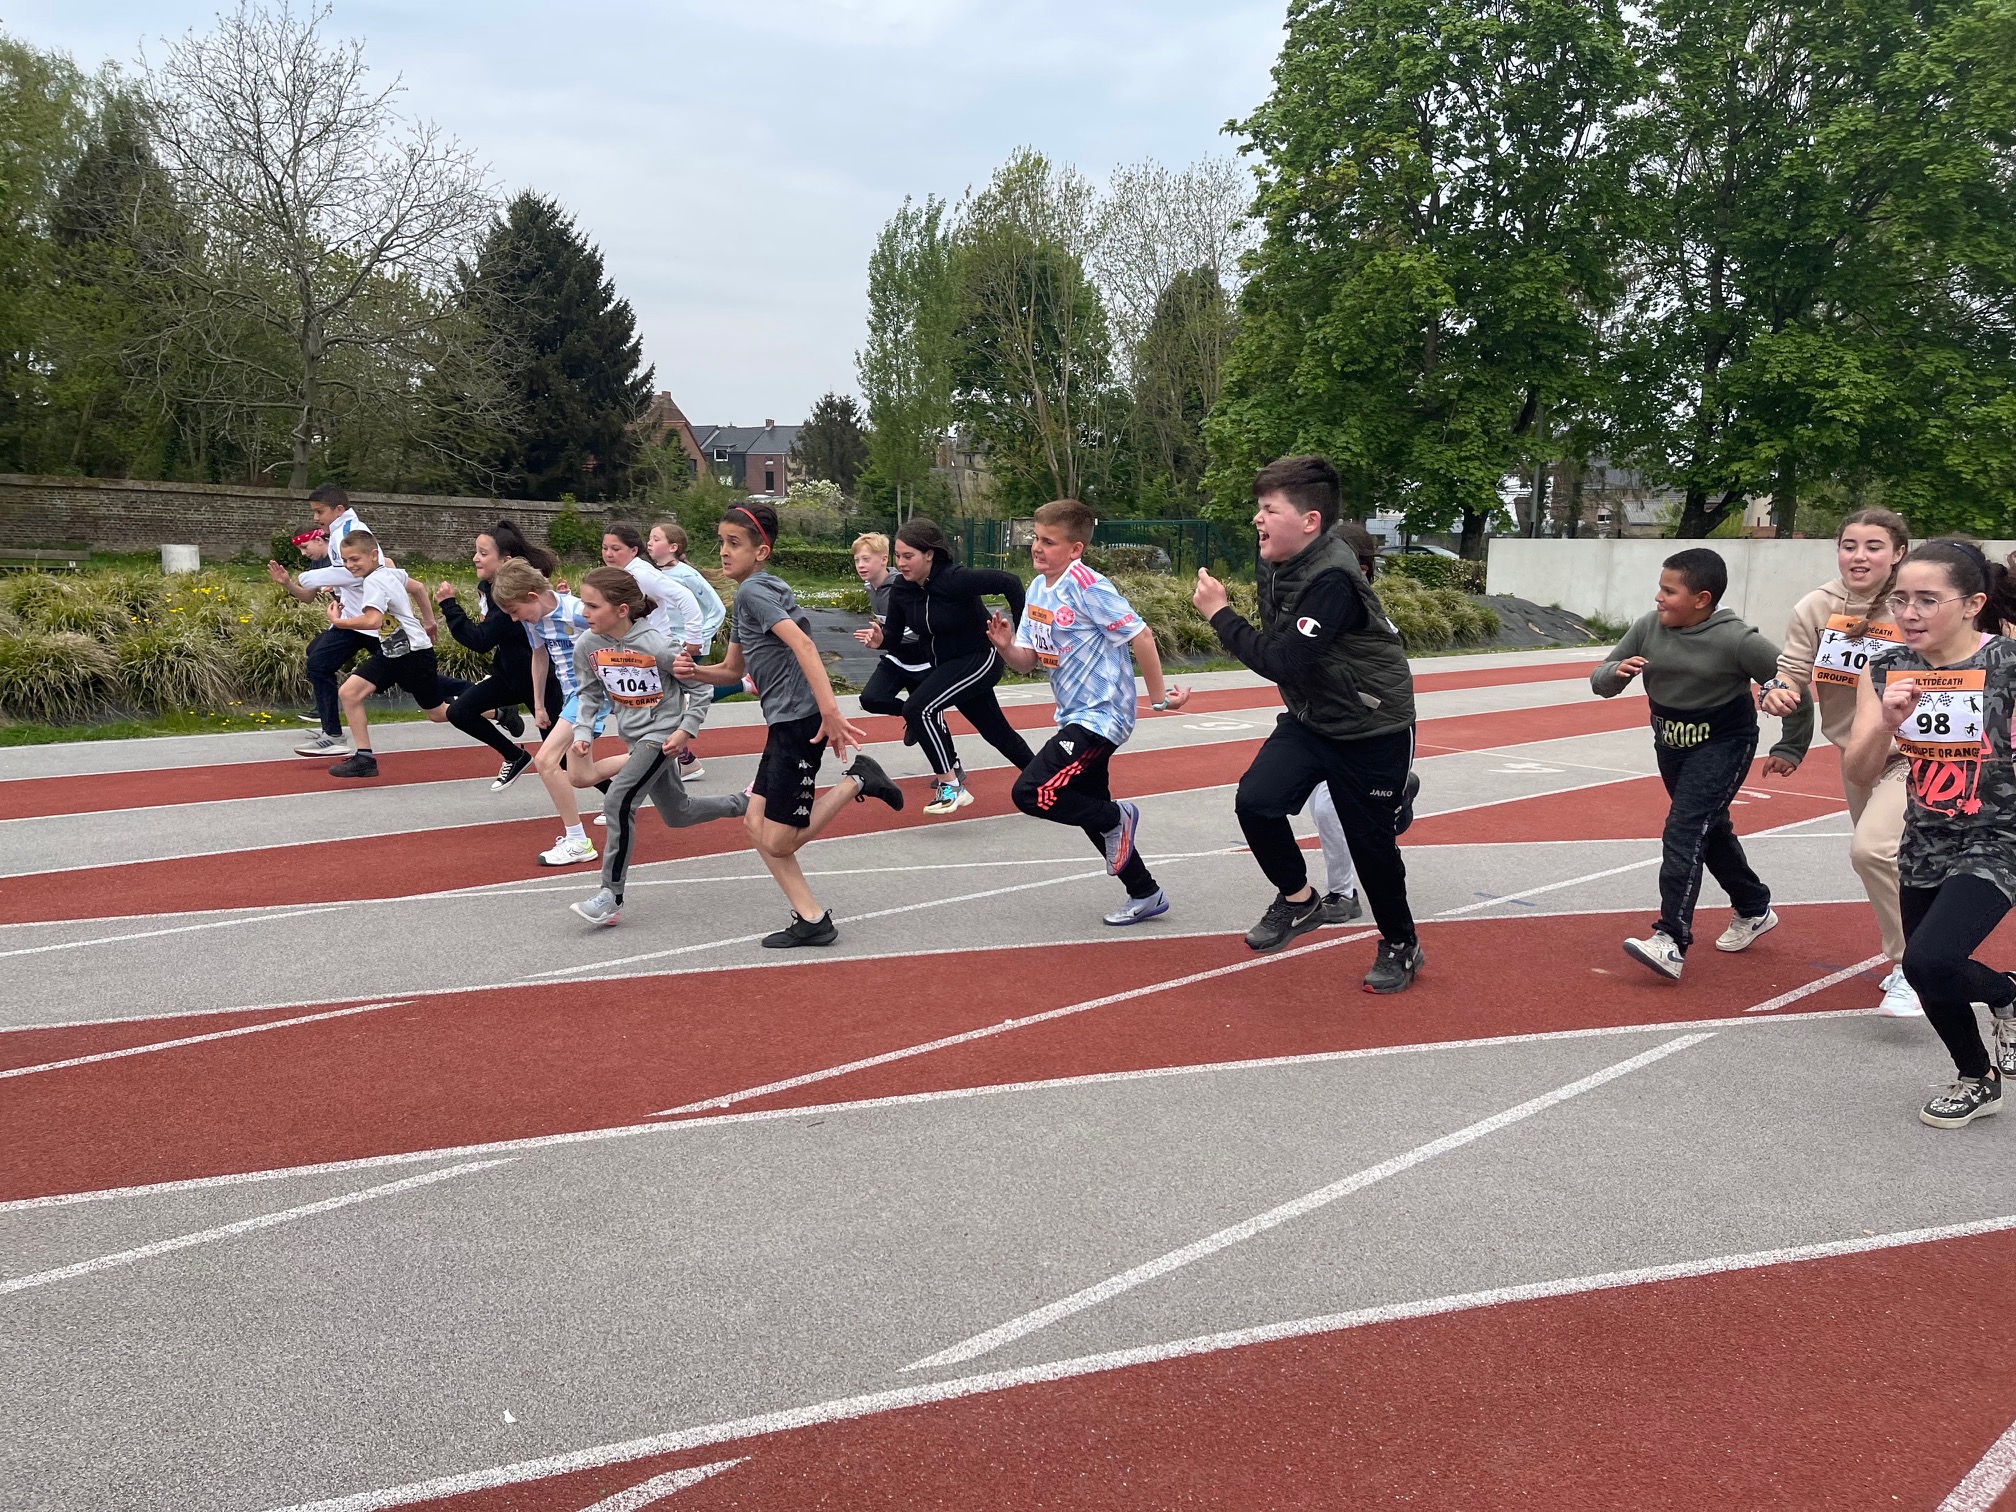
(743,439)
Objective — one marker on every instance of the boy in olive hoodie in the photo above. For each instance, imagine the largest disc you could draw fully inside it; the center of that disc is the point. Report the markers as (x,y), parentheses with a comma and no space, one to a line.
(1699,663)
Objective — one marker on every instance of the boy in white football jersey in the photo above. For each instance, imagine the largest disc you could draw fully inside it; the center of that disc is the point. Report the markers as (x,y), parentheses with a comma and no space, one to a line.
(1077,627)
(402,655)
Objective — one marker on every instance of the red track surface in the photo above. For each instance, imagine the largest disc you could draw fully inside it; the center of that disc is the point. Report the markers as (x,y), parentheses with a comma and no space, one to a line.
(507,1063)
(1813,1387)
(384,866)
(33,797)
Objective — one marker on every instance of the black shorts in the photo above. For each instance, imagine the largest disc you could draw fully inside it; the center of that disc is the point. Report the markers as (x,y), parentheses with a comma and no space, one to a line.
(416,672)
(788,775)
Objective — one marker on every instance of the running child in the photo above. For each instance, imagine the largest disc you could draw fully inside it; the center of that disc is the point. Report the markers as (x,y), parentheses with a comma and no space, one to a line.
(551,621)
(495,632)
(941,603)
(1349,726)
(625,662)
(666,546)
(772,640)
(903,667)
(1699,662)
(1945,698)
(332,648)
(1080,630)
(1835,631)
(400,622)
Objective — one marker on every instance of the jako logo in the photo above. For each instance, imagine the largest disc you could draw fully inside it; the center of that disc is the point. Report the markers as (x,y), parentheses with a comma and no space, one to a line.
(1307,626)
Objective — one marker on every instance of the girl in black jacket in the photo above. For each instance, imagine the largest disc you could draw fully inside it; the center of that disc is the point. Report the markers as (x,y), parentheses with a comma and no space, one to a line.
(510,679)
(941,602)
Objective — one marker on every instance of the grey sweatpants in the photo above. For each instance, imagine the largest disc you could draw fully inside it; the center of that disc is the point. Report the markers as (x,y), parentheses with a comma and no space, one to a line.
(650,773)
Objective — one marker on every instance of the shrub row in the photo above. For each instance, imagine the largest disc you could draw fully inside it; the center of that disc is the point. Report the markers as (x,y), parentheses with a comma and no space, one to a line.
(1434,571)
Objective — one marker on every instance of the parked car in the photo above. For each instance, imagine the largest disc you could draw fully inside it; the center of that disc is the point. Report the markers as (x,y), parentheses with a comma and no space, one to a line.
(1419,550)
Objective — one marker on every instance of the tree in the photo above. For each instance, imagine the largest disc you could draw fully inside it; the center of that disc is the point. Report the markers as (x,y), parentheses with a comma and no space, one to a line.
(905,366)
(575,379)
(1176,368)
(1440,206)
(326,228)
(831,443)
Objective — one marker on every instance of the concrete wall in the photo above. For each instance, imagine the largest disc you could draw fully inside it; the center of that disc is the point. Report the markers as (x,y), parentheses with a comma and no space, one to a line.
(223,519)
(1616,578)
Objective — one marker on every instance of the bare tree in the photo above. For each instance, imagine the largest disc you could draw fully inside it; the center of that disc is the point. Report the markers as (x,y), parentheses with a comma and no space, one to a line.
(1158,223)
(326,224)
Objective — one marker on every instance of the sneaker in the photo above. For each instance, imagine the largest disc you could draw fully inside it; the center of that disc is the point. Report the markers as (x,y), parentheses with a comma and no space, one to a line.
(309,716)
(1119,840)
(510,771)
(323,744)
(357,764)
(2005,1043)
(1900,999)
(1284,920)
(1409,791)
(512,721)
(909,735)
(599,907)
(568,852)
(948,798)
(1137,909)
(819,931)
(1742,932)
(1659,952)
(1394,967)
(1341,908)
(875,783)
(692,773)
(1969,1098)
(603,820)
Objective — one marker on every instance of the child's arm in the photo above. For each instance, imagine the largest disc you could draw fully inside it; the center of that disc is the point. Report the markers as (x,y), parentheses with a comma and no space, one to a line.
(1877,717)
(726,673)
(686,724)
(840,735)
(1624,663)
(370,617)
(590,699)
(295,590)
(1149,660)
(423,606)
(542,668)
(1001,635)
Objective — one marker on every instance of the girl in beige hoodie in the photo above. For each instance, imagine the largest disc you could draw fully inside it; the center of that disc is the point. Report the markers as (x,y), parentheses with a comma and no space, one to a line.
(1836,630)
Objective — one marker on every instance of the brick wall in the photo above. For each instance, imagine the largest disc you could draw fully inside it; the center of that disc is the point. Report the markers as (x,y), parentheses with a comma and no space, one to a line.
(223,519)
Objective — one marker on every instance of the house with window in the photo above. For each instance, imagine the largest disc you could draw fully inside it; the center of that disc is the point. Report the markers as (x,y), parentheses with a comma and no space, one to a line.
(754,458)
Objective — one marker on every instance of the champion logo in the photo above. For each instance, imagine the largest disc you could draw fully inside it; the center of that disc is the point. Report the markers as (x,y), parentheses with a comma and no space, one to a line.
(1067,616)
(1308,626)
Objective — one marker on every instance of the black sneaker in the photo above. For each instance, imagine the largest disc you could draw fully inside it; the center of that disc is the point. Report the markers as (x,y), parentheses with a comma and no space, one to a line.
(1969,1098)
(510,771)
(1393,970)
(875,783)
(1409,791)
(357,764)
(1341,908)
(819,931)
(512,721)
(1284,920)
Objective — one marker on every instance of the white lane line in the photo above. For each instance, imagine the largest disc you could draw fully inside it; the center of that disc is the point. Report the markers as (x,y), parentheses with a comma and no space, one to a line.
(925,1393)
(242,1226)
(198,1039)
(728,1099)
(1104,1291)
(151,934)
(1783,998)
(659,1487)
(894,1100)
(1986,1482)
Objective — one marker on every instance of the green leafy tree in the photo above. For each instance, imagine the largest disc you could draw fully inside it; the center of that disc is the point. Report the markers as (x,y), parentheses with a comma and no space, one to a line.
(832,443)
(905,365)
(575,382)
(1175,373)
(1439,207)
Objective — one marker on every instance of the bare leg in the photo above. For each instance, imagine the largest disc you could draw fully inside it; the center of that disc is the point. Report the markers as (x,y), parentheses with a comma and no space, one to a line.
(546,762)
(779,844)
(353,693)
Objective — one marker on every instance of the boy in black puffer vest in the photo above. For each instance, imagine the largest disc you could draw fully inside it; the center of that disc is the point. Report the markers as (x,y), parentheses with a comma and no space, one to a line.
(1350,722)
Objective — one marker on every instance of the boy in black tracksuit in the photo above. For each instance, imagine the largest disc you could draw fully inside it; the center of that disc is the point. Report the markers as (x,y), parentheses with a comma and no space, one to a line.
(1350,722)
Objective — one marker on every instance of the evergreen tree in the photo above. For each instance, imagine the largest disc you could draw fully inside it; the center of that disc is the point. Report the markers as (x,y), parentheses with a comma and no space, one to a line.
(832,444)
(1175,369)
(575,377)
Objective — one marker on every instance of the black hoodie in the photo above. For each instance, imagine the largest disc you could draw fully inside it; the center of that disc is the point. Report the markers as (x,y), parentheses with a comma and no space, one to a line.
(945,610)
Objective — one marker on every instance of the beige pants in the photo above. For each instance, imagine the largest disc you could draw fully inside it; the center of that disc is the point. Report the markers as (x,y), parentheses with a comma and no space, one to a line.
(1878,813)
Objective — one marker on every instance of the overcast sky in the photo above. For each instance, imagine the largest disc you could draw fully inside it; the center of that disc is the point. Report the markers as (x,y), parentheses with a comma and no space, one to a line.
(735,158)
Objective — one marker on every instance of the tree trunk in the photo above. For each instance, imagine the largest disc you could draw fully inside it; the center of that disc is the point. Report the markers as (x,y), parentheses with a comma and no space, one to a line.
(304,425)
(1471,545)
(1785,496)
(1572,517)
(1698,516)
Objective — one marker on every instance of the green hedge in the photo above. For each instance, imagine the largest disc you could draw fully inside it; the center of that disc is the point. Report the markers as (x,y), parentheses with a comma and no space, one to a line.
(1435,571)
(800,556)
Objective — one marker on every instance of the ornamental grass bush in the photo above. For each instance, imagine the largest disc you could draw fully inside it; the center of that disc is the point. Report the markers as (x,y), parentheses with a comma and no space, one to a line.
(269,651)
(176,669)
(56,677)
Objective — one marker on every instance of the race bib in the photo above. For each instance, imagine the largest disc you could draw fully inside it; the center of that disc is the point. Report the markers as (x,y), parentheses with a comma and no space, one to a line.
(1041,640)
(630,676)
(1945,740)
(1840,657)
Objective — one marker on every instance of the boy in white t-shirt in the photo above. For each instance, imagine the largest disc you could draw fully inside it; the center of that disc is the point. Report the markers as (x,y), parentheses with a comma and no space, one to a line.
(1079,629)
(402,655)
(333,648)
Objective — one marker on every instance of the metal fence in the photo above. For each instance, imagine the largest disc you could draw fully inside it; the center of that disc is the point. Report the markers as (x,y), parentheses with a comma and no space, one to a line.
(1176,546)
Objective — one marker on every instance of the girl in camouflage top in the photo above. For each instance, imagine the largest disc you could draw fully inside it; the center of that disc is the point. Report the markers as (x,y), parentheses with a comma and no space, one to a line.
(1946,697)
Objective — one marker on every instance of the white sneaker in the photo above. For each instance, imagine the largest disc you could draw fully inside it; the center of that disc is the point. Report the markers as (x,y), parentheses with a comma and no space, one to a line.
(603,820)
(951,797)
(690,773)
(323,745)
(568,852)
(1899,998)
(1658,951)
(1742,933)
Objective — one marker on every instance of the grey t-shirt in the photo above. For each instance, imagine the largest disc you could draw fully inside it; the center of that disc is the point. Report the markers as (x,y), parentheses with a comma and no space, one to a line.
(762,603)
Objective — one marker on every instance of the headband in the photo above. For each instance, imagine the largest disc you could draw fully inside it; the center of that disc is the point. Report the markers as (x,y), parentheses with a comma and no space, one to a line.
(1970,549)
(738,509)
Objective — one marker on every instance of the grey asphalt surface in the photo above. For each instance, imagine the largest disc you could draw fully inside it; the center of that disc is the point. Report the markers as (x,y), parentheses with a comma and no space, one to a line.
(701,1271)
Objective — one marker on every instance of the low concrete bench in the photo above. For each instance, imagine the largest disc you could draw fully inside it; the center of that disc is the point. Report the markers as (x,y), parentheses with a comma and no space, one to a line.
(23,560)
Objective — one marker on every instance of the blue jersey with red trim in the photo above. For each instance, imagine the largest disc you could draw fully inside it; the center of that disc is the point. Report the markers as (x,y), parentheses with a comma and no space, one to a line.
(1079,627)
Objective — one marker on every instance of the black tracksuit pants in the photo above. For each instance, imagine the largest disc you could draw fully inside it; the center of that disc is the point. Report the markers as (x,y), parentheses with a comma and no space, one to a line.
(886,686)
(1943,927)
(965,684)
(1067,782)
(467,710)
(1365,778)
(1703,781)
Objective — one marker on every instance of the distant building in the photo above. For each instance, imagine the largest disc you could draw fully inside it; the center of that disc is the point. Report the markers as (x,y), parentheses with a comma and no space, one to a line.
(756,459)
(663,415)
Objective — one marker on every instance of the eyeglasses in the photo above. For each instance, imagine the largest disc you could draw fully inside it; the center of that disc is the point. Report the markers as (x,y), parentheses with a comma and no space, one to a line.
(1922,603)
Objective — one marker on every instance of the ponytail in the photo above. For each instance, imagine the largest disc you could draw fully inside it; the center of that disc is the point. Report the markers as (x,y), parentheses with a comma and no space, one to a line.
(1969,570)
(510,542)
(620,591)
